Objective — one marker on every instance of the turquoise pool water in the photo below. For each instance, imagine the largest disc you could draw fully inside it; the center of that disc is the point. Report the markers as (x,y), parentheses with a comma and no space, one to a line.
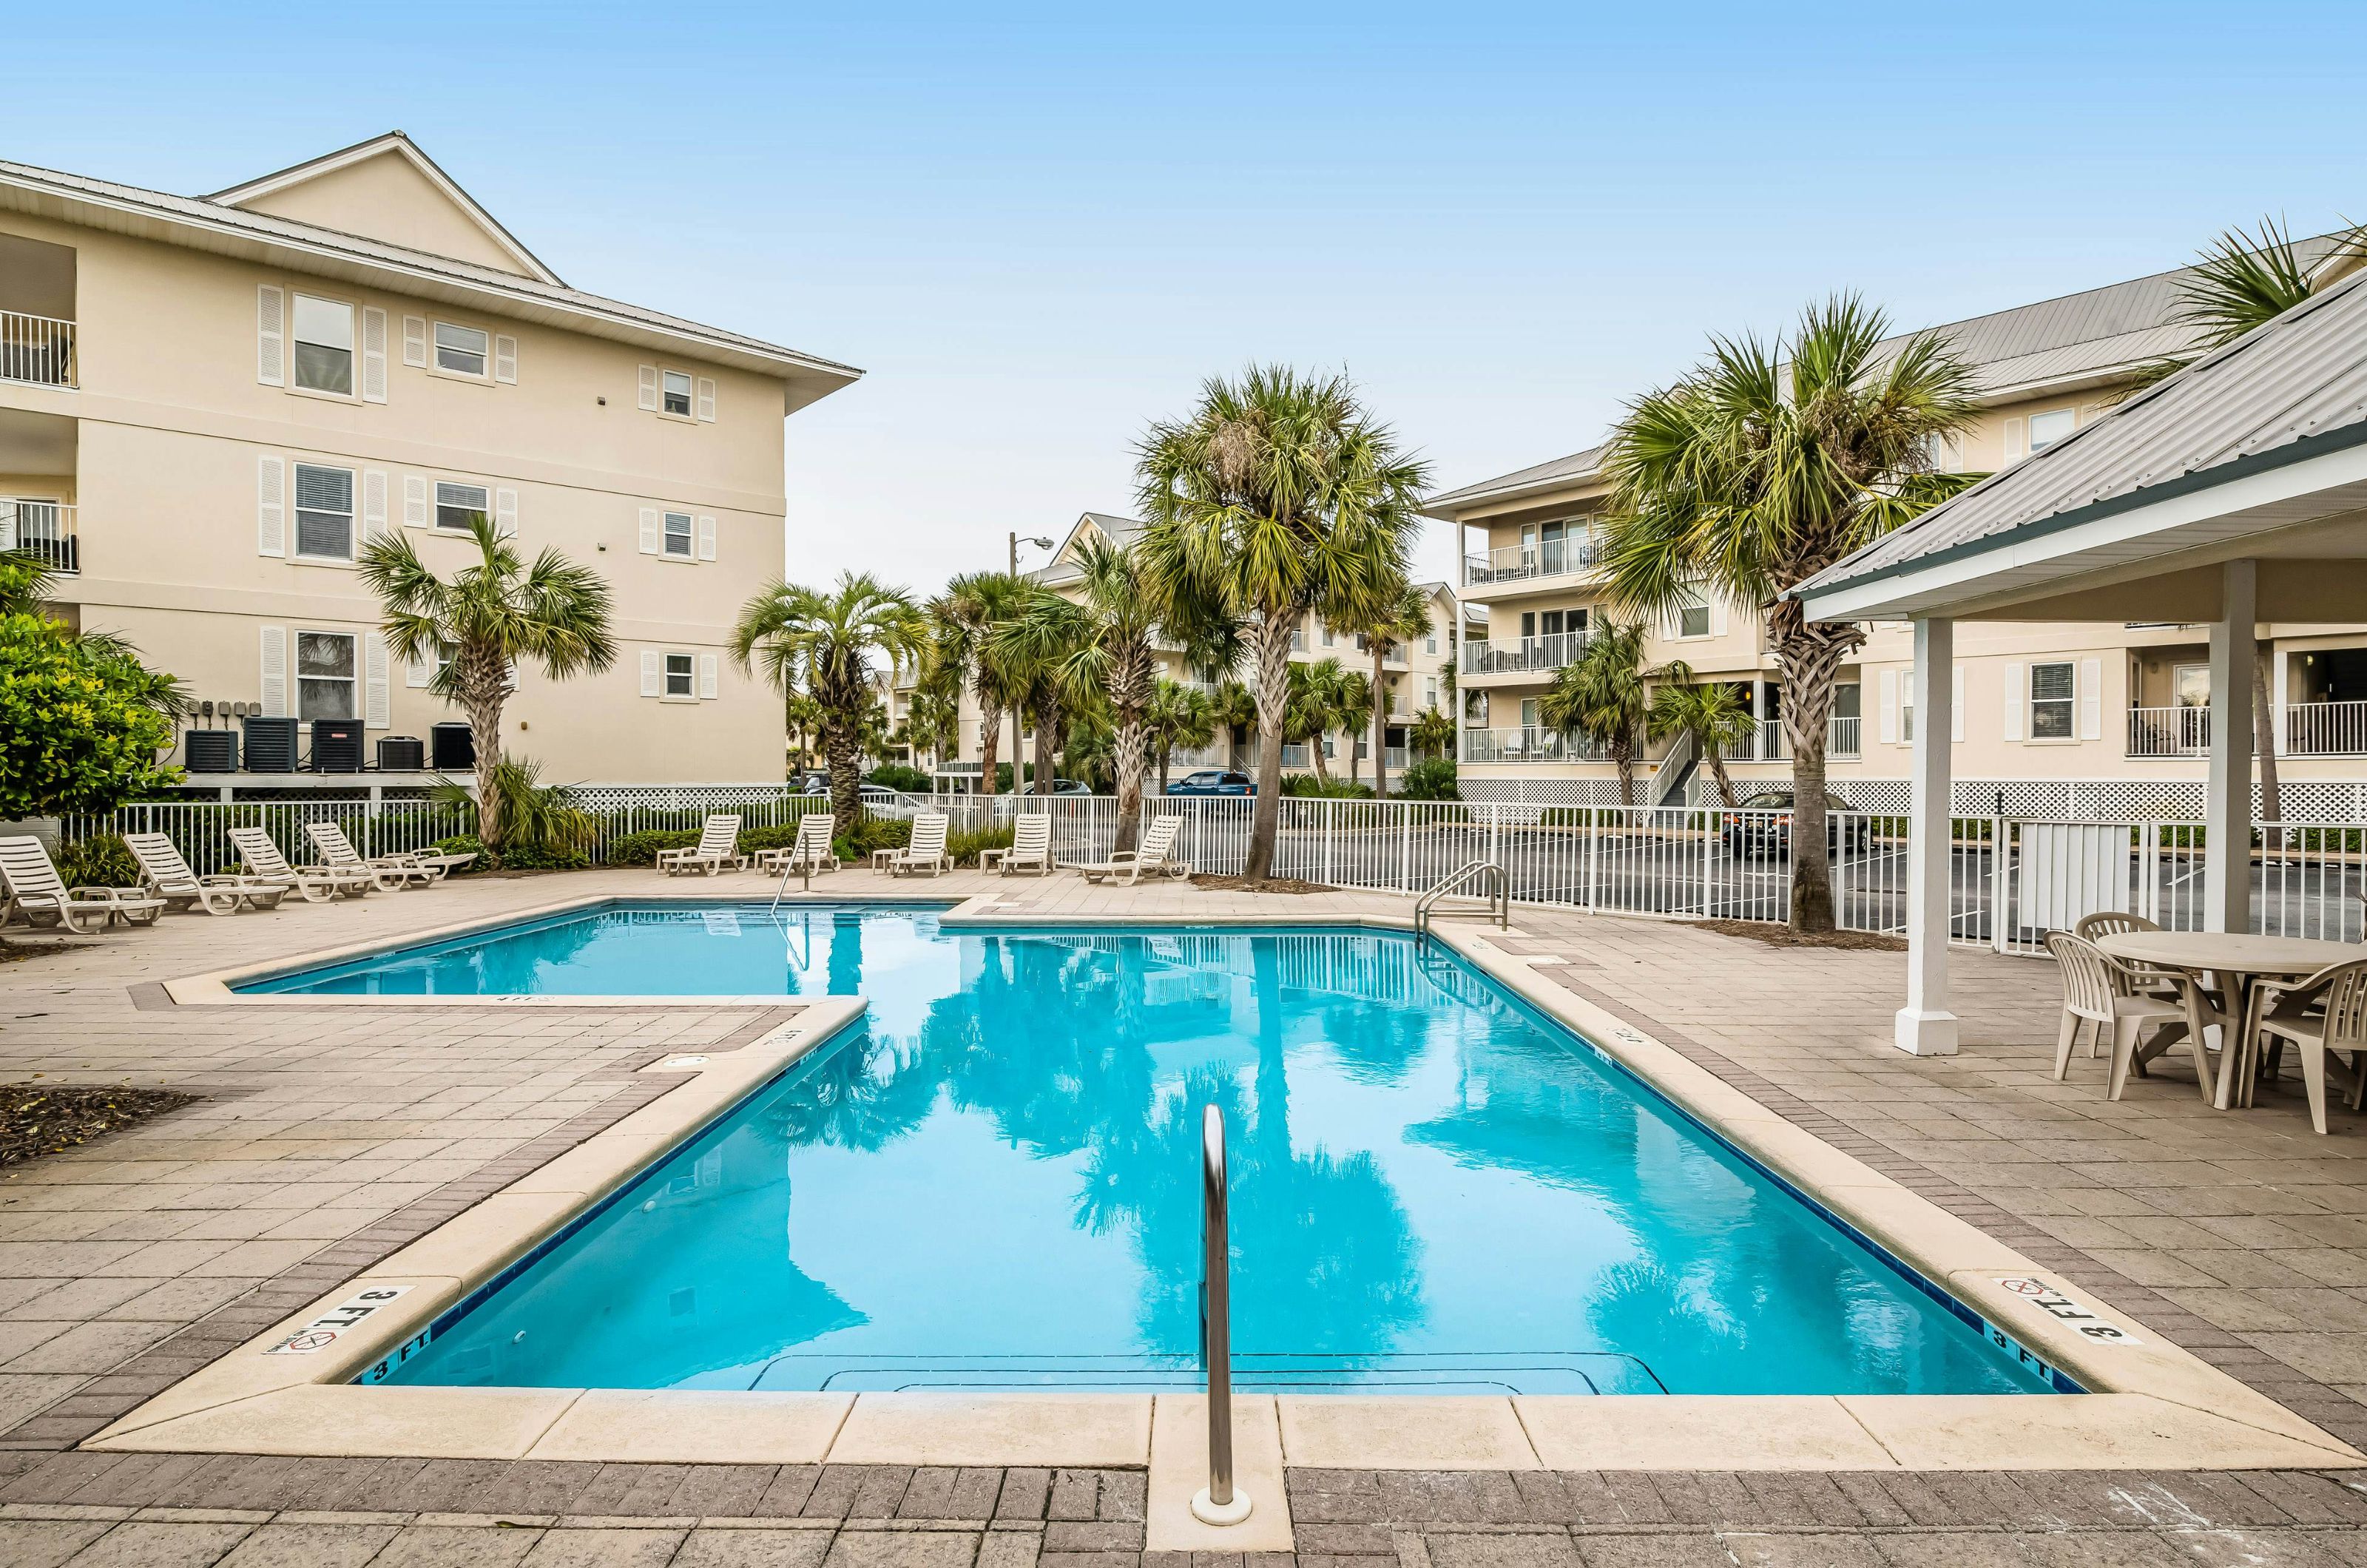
(992,1180)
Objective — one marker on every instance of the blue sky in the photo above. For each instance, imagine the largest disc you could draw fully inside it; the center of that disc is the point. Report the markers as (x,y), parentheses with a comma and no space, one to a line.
(1038,228)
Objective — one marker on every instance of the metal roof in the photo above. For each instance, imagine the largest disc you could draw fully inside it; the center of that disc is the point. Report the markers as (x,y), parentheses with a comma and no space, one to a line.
(2286,390)
(1578,465)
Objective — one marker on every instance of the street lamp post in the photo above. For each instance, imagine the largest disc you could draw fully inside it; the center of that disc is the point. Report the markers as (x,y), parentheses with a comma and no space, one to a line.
(1041,543)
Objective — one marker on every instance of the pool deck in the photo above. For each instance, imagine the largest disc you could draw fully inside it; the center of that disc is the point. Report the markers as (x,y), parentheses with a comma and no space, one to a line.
(332,1138)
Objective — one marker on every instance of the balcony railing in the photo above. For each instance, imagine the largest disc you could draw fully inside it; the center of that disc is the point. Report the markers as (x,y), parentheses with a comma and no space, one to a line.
(38,349)
(2169,732)
(42,528)
(1769,744)
(2326,729)
(1513,655)
(1526,745)
(1547,558)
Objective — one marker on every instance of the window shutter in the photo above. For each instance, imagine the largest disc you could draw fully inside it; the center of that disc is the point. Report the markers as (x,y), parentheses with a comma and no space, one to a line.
(2017,699)
(374,505)
(505,359)
(270,506)
(275,672)
(706,538)
(649,540)
(504,511)
(707,672)
(2017,439)
(415,501)
(706,400)
(1716,614)
(1890,707)
(271,335)
(373,355)
(650,387)
(418,673)
(377,702)
(415,341)
(653,675)
(2091,699)
(1956,702)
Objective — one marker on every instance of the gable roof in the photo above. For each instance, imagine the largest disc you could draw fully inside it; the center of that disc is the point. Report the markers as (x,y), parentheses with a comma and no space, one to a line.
(1541,475)
(1062,567)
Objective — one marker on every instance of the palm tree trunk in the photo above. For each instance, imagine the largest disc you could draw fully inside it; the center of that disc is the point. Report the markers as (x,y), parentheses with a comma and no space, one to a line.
(1717,755)
(1380,724)
(1163,747)
(1809,658)
(838,742)
(1042,751)
(1129,750)
(1314,755)
(2264,740)
(482,701)
(990,745)
(1623,754)
(1270,646)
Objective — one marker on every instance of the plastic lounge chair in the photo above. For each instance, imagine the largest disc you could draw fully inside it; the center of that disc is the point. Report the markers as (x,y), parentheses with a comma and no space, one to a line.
(265,863)
(37,891)
(170,878)
(927,847)
(718,850)
(389,872)
(1155,855)
(1031,846)
(811,850)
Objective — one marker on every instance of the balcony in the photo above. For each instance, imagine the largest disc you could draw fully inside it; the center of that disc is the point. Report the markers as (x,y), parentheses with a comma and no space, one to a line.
(2326,729)
(2169,732)
(1768,743)
(42,528)
(1549,558)
(36,350)
(1513,656)
(1526,745)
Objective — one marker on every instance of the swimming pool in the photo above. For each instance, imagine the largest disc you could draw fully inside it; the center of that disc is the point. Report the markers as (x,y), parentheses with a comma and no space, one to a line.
(991,1181)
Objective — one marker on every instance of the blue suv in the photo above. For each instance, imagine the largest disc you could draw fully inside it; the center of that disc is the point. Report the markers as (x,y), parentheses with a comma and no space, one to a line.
(1213,781)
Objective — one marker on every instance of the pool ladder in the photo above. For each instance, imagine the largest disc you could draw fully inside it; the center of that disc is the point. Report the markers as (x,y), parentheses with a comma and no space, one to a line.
(1499,893)
(1221,1503)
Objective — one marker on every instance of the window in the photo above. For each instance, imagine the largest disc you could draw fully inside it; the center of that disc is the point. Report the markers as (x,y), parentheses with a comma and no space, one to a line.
(1430,690)
(325,516)
(1693,620)
(461,350)
(681,677)
(677,392)
(2053,690)
(1905,706)
(324,675)
(457,505)
(1475,709)
(1429,643)
(1944,452)
(325,345)
(677,534)
(2046,429)
(1327,634)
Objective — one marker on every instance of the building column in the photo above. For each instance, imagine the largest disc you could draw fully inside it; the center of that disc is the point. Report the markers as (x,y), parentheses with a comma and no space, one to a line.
(1925,1026)
(2227,816)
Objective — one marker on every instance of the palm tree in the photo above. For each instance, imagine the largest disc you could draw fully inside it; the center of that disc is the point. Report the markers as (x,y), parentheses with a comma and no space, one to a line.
(803,715)
(1355,714)
(1278,493)
(493,615)
(1321,699)
(932,721)
(1233,707)
(835,645)
(1763,466)
(1601,697)
(1432,733)
(1395,624)
(1715,715)
(1178,715)
(961,619)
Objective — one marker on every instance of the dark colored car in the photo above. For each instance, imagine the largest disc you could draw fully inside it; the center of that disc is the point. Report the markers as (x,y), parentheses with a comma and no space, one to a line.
(1213,781)
(1761,825)
(1070,786)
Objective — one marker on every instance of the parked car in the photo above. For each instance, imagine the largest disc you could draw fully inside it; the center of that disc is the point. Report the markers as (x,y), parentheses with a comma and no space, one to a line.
(879,798)
(1214,780)
(1761,824)
(1070,786)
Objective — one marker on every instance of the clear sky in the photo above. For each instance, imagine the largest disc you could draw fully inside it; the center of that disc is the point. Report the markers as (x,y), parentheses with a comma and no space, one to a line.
(1037,229)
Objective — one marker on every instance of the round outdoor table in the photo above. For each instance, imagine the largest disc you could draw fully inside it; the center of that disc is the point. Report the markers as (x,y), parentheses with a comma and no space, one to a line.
(2241,961)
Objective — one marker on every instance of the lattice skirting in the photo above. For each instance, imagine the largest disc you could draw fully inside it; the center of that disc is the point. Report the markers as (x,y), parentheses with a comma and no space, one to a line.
(2101,800)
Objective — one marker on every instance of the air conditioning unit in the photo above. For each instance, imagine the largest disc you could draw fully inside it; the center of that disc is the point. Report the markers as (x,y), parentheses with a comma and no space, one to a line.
(270,744)
(336,746)
(452,747)
(213,752)
(401,754)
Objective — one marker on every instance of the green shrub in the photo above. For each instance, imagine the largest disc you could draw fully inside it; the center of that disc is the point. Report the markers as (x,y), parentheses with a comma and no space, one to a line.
(964,847)
(518,857)
(1324,789)
(1431,778)
(100,861)
(641,848)
(81,721)
(900,775)
(874,833)
(463,844)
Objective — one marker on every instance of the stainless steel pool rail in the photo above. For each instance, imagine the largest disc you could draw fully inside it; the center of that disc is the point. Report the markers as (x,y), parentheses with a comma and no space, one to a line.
(1221,1503)
(1499,893)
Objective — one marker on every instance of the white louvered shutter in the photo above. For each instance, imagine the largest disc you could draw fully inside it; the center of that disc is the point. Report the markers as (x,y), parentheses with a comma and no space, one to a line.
(2017,699)
(270,506)
(414,502)
(373,355)
(653,675)
(377,702)
(1890,707)
(706,400)
(2017,439)
(415,341)
(275,672)
(1716,614)
(650,387)
(1956,702)
(2091,699)
(706,538)
(707,673)
(505,359)
(271,335)
(418,673)
(650,534)
(504,511)
(374,505)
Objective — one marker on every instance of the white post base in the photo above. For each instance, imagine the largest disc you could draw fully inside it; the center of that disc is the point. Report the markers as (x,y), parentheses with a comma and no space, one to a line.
(1209,1513)
(1924,1034)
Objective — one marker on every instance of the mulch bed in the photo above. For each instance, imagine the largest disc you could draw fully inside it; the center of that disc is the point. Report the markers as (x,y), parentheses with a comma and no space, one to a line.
(16,950)
(38,1119)
(1775,935)
(1257,884)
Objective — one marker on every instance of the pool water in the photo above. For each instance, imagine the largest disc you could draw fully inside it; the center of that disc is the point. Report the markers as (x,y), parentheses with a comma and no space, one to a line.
(992,1180)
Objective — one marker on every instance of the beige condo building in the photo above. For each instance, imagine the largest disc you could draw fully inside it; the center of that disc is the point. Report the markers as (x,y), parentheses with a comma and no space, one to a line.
(2053,718)
(207,405)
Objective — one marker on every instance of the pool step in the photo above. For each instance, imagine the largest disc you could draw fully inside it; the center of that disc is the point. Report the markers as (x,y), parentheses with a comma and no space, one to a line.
(1266,1372)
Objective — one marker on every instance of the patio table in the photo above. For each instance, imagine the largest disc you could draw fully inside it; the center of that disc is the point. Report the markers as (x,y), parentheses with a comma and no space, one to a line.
(2241,961)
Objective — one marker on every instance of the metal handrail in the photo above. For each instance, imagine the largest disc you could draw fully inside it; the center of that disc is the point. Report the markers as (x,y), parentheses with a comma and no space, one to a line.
(1500,894)
(1221,1503)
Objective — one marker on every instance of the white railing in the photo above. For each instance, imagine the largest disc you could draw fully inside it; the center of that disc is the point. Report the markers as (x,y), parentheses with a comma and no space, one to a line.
(1841,736)
(1768,743)
(2326,729)
(1547,558)
(42,528)
(1529,744)
(38,349)
(1508,655)
(2169,732)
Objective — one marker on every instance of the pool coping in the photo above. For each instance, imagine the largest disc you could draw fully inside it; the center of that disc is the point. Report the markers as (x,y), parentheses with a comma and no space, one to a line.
(2151,1404)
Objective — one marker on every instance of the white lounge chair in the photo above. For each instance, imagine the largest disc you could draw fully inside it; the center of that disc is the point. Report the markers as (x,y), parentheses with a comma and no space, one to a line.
(927,849)
(812,850)
(1156,855)
(265,863)
(1031,846)
(40,895)
(718,850)
(389,872)
(170,878)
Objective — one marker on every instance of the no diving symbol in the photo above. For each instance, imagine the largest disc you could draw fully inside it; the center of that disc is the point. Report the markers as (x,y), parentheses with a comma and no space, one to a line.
(307,1342)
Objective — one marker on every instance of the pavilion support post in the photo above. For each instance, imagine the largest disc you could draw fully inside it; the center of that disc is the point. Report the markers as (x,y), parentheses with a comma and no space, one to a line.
(1925,1026)
(2227,814)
